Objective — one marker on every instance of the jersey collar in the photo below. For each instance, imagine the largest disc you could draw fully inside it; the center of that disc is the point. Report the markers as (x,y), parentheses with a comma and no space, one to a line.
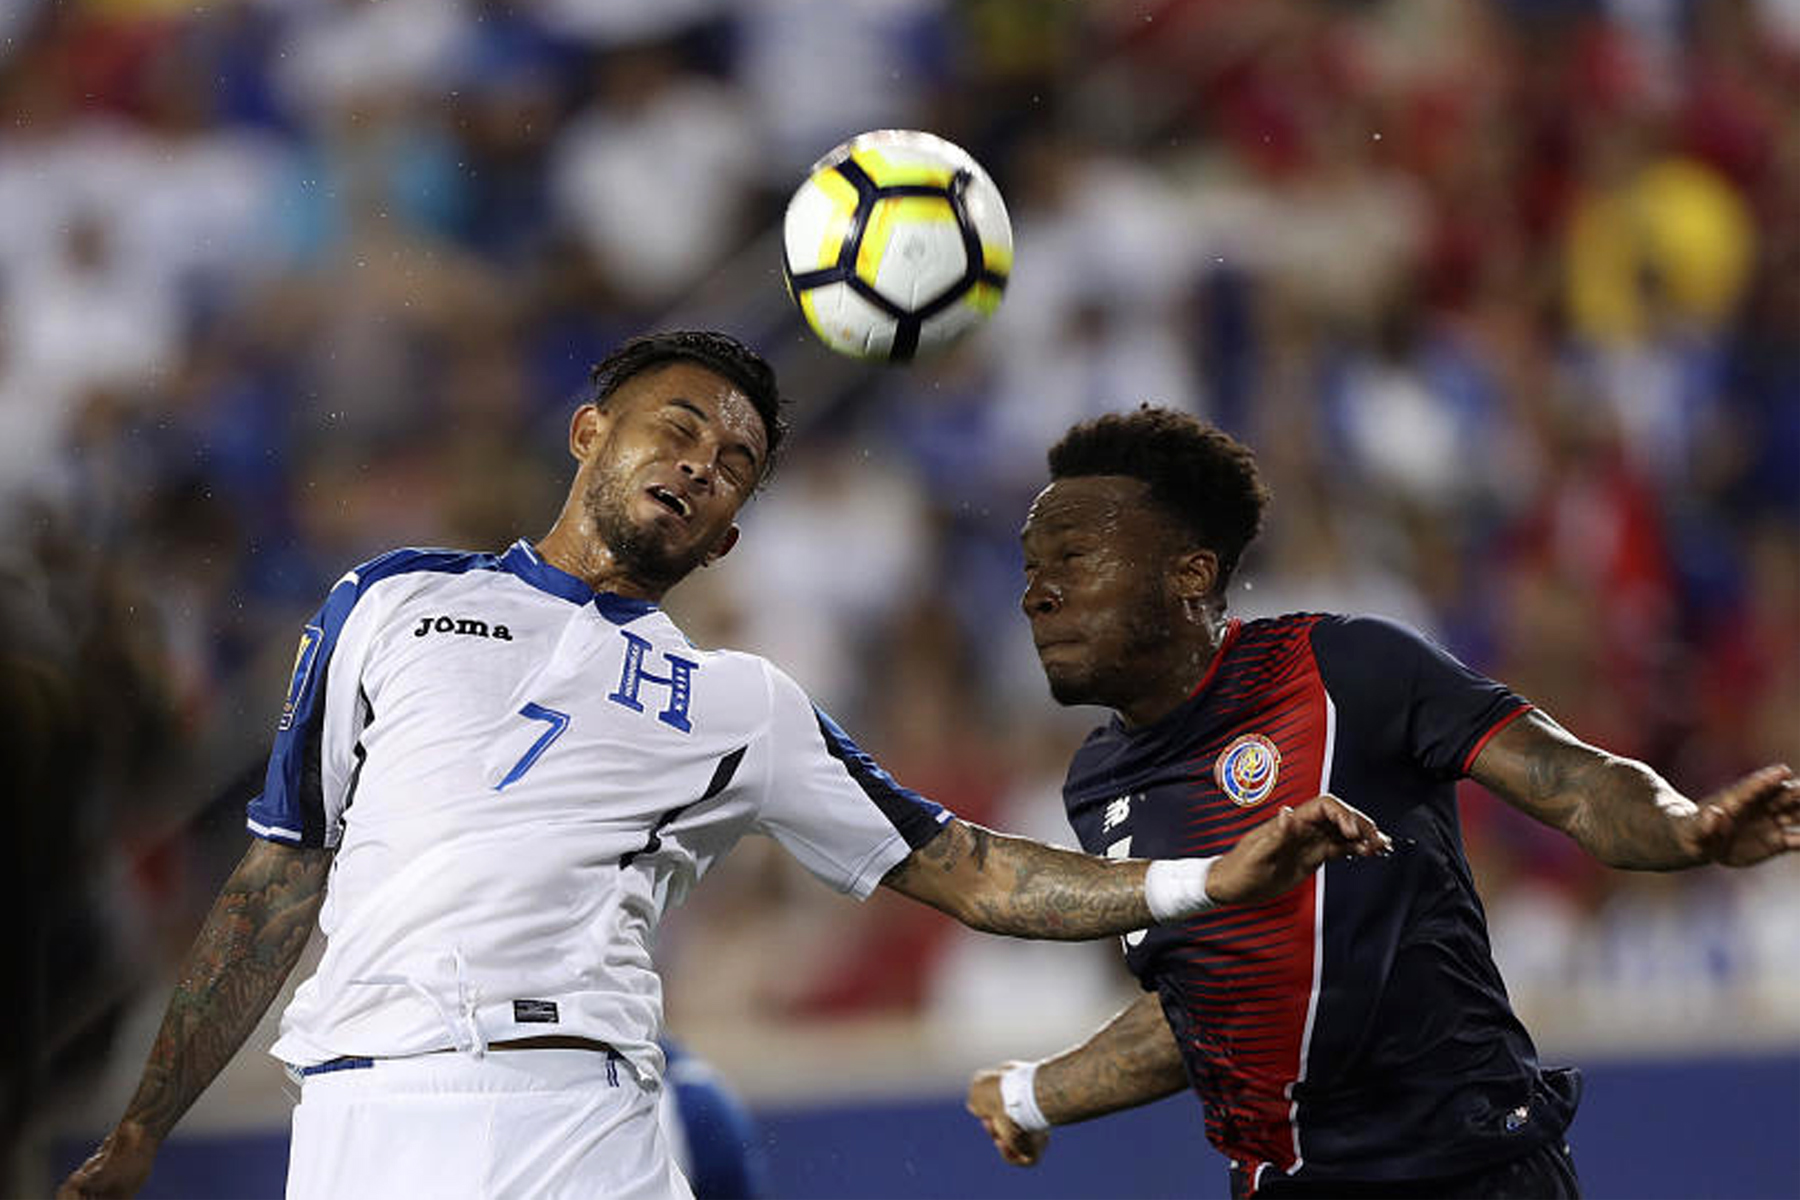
(523,560)
(1233,627)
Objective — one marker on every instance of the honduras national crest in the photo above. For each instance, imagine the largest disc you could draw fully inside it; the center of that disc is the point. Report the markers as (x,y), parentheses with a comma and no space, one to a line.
(1246,769)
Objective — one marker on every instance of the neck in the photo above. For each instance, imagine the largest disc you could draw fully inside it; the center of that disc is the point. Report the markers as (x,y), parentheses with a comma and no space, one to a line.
(1183,659)
(590,560)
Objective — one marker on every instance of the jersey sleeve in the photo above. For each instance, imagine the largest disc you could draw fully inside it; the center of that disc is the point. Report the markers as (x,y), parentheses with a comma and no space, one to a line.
(1440,712)
(313,763)
(831,805)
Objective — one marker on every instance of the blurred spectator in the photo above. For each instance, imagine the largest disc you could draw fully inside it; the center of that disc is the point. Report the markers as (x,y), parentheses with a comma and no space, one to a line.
(655,218)
(817,74)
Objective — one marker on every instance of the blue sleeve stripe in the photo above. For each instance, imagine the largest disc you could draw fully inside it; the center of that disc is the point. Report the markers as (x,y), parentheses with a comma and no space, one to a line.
(292,804)
(917,818)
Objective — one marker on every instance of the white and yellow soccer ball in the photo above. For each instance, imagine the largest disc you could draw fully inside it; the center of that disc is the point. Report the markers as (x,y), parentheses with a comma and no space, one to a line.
(896,245)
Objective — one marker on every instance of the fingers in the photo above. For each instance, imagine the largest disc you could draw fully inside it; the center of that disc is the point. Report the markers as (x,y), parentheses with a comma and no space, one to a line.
(1015,1145)
(1019,1148)
(1786,802)
(1031,1148)
(79,1181)
(1751,819)
(1352,828)
(80,1185)
(1771,786)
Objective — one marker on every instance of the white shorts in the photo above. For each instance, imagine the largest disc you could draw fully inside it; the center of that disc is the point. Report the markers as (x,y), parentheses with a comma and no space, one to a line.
(515,1123)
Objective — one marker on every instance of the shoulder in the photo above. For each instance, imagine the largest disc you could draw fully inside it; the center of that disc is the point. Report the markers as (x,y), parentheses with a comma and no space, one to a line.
(411,560)
(1365,632)
(1255,637)
(658,627)
(751,681)
(403,571)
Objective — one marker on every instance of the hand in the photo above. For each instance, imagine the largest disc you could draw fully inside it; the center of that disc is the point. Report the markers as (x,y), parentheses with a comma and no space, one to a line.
(1748,821)
(118,1168)
(1285,849)
(1017,1146)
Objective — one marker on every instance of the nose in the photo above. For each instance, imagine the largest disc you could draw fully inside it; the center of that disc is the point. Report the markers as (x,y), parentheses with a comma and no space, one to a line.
(697,470)
(1041,598)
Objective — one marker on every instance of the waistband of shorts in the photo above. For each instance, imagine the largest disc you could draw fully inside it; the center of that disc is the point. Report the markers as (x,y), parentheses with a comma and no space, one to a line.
(456,1073)
(353,1062)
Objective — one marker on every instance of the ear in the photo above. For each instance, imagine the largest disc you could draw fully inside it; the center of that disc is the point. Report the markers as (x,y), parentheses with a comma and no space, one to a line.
(1195,575)
(722,547)
(585,428)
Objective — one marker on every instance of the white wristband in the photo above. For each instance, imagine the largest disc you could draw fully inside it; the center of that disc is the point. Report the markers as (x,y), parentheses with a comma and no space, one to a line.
(1176,887)
(1018,1094)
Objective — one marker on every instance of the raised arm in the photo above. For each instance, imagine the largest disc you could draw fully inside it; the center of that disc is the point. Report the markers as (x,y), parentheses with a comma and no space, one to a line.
(251,940)
(1000,884)
(1131,1060)
(1627,815)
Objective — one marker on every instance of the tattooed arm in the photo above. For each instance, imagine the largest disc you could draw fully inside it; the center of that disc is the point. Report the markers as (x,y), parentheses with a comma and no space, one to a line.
(251,940)
(1013,885)
(1627,815)
(1131,1060)
(1000,884)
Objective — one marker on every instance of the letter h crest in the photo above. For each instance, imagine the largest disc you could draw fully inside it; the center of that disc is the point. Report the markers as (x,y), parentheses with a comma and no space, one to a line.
(679,681)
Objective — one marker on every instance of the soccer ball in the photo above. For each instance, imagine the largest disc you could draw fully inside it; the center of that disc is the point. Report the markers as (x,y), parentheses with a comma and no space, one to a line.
(897,244)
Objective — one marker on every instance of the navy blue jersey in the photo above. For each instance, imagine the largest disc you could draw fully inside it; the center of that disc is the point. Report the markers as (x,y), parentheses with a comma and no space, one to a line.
(1355,1028)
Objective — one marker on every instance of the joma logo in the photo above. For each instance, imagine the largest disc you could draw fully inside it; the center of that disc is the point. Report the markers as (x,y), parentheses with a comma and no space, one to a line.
(467,626)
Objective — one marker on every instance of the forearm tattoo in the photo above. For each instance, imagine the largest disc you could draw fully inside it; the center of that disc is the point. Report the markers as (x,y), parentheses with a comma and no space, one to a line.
(1010,885)
(1132,1060)
(251,940)
(1617,809)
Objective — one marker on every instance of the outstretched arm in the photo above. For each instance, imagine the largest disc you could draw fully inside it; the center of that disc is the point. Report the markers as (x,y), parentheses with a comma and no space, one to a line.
(1627,815)
(251,940)
(1000,884)
(1131,1060)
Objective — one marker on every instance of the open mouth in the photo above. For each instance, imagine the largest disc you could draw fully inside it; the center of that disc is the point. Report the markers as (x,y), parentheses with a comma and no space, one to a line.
(671,501)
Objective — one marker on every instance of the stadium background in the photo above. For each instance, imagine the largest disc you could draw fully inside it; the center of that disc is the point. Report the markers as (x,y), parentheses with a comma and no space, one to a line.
(1506,295)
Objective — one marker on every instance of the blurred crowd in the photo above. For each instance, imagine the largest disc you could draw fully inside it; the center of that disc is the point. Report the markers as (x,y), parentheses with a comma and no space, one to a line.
(1505,294)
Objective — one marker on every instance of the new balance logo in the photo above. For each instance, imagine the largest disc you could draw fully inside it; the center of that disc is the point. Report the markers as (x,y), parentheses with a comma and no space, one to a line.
(1117,813)
(467,626)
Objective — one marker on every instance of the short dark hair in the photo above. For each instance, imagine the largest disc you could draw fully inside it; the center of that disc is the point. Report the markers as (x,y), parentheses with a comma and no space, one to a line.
(1198,474)
(717,352)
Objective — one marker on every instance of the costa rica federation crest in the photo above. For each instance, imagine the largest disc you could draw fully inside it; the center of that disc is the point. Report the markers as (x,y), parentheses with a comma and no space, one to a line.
(1246,769)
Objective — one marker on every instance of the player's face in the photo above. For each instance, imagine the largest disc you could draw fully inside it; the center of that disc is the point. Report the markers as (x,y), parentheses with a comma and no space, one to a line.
(1097,562)
(667,463)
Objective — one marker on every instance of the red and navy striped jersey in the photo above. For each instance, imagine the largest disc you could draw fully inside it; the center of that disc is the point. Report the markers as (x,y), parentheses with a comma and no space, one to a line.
(1355,1028)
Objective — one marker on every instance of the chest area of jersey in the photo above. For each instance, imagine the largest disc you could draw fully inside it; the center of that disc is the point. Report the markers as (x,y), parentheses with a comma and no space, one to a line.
(437,649)
(536,700)
(1196,790)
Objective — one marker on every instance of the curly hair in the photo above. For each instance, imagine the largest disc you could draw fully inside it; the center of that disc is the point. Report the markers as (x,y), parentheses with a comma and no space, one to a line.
(717,352)
(1197,473)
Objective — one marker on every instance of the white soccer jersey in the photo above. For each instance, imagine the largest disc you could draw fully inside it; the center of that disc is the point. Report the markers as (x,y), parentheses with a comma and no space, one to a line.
(520,776)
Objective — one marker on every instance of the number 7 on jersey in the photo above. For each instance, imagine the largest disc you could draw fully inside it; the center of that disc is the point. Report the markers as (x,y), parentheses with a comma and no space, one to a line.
(557,720)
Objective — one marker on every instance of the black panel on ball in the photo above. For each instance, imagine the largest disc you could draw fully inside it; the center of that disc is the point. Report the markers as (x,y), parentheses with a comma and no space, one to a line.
(906,339)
